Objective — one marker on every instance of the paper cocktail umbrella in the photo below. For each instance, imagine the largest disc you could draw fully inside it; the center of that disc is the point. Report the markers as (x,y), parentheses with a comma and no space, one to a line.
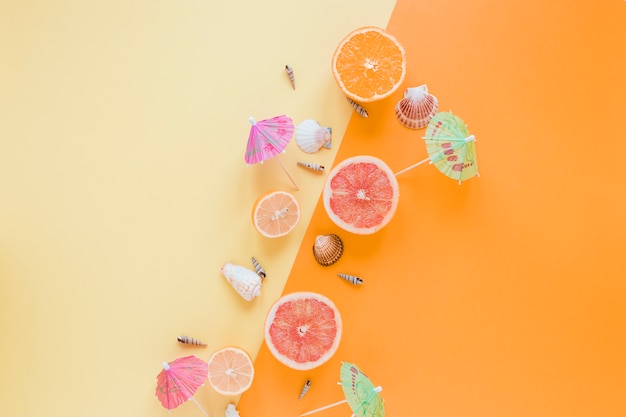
(450,146)
(361,395)
(179,380)
(268,138)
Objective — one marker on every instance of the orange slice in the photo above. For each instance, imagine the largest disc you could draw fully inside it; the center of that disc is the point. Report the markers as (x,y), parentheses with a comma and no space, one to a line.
(369,64)
(275,213)
(230,371)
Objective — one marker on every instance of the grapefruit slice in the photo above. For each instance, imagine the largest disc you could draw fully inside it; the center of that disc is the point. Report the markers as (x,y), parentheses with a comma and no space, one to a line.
(303,330)
(361,194)
(230,371)
(275,213)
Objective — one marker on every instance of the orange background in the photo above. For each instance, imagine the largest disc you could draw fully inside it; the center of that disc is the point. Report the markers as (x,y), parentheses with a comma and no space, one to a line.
(503,296)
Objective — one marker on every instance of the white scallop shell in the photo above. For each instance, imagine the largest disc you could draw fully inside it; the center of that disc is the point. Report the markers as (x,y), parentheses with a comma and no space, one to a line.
(244,280)
(231,411)
(311,136)
(417,107)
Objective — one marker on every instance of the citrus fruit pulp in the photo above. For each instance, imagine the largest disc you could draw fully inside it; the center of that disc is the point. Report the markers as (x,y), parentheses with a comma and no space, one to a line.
(369,64)
(303,330)
(230,371)
(275,213)
(361,194)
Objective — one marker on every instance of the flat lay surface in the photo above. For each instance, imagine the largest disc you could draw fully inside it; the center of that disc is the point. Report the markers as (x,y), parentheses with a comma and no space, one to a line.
(125,192)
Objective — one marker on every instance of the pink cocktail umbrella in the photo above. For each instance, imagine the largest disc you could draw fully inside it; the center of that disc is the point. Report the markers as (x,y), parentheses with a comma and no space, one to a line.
(179,380)
(268,138)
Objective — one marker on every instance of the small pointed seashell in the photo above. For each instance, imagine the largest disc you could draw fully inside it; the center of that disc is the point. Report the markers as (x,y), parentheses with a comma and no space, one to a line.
(417,107)
(231,411)
(244,280)
(311,136)
(311,166)
(186,340)
(358,108)
(258,268)
(289,72)
(305,388)
(353,279)
(327,249)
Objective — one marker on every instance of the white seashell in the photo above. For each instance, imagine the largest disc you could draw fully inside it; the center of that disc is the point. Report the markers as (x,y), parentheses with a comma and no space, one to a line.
(353,279)
(311,136)
(244,280)
(312,166)
(417,107)
(305,389)
(231,411)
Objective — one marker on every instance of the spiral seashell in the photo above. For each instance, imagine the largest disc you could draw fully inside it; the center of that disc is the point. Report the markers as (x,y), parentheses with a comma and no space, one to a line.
(417,107)
(311,136)
(258,268)
(352,279)
(244,280)
(312,167)
(231,411)
(292,79)
(186,340)
(327,249)
(357,107)
(305,389)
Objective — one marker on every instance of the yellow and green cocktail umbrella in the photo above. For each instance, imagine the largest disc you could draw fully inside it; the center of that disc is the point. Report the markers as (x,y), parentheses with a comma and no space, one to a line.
(450,146)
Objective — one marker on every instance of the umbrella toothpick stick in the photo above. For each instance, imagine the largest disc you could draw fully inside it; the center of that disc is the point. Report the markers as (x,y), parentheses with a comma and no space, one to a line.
(324,407)
(287,172)
(199,406)
(412,166)
(377,389)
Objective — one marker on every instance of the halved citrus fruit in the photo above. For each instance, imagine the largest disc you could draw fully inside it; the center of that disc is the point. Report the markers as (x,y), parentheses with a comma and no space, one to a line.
(230,371)
(361,194)
(275,213)
(303,330)
(369,64)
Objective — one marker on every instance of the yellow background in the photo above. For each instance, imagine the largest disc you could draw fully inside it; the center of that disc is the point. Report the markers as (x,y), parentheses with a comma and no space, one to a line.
(123,188)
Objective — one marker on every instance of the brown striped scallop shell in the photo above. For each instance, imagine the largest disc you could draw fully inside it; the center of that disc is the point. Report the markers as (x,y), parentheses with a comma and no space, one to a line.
(327,249)
(417,107)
